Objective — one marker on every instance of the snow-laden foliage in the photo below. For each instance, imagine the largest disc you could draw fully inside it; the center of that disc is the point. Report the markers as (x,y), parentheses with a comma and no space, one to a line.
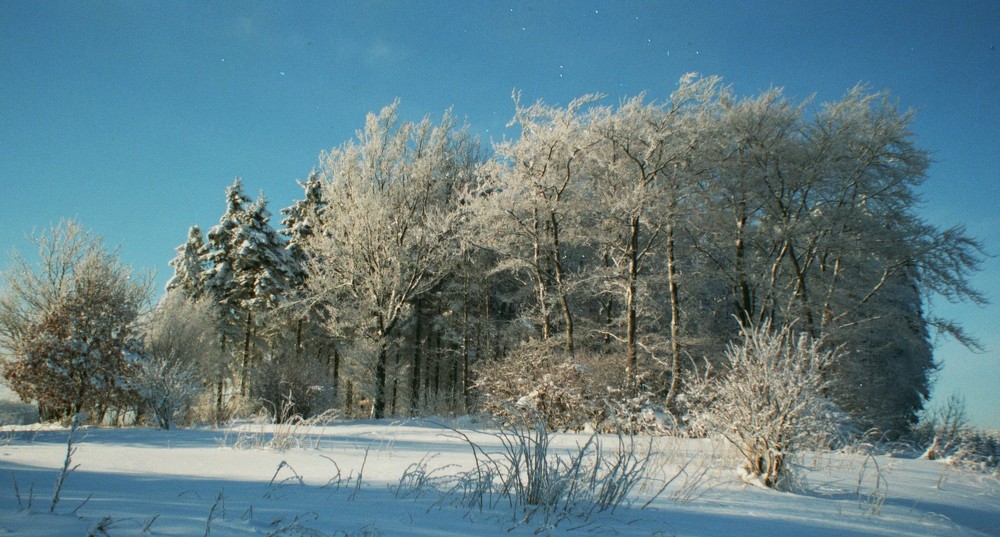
(189,265)
(389,235)
(566,392)
(179,352)
(769,401)
(944,432)
(247,271)
(71,324)
(639,236)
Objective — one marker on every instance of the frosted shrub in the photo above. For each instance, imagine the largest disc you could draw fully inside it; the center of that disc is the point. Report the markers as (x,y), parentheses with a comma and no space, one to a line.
(769,403)
(167,389)
(944,432)
(292,388)
(566,392)
(178,349)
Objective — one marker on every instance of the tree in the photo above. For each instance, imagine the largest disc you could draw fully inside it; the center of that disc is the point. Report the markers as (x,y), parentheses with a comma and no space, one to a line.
(533,208)
(179,350)
(389,236)
(220,254)
(304,217)
(189,265)
(70,324)
(262,273)
(647,167)
(248,272)
(809,220)
(300,224)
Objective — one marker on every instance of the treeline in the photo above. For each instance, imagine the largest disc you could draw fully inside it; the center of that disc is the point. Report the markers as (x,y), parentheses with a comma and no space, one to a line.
(590,269)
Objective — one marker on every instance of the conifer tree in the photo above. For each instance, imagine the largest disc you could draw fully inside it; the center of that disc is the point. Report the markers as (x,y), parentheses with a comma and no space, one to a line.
(189,265)
(300,223)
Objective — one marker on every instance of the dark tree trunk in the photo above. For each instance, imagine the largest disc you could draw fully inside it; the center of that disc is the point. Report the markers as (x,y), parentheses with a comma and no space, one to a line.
(631,305)
(378,405)
(245,367)
(675,321)
(418,344)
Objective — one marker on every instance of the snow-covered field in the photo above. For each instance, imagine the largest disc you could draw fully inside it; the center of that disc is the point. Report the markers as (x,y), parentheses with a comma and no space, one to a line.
(226,482)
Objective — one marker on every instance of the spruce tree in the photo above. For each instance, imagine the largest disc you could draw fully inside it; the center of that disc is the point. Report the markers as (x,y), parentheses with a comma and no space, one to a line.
(189,265)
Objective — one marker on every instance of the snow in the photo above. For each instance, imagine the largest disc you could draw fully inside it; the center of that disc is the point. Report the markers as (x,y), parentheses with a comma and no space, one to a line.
(195,482)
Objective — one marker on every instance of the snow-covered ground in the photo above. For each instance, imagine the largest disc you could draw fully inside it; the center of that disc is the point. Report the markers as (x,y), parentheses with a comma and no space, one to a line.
(225,482)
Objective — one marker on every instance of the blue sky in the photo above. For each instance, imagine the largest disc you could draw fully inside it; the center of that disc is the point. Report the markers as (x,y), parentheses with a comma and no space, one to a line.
(133,116)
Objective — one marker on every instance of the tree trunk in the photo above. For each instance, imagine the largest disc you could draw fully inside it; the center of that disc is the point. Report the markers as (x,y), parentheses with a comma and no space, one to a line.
(378,405)
(298,341)
(801,291)
(543,301)
(418,344)
(561,284)
(675,321)
(220,384)
(465,355)
(244,369)
(395,392)
(631,300)
(744,304)
(349,399)
(438,358)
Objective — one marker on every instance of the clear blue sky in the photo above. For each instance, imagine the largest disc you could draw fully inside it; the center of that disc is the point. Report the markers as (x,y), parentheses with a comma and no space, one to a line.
(134,116)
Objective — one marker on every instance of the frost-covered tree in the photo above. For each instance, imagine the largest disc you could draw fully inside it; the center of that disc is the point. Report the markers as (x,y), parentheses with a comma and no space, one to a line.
(248,273)
(533,208)
(302,219)
(389,236)
(218,282)
(808,218)
(179,351)
(70,325)
(189,265)
(647,232)
(689,218)
(300,223)
(647,160)
(262,272)
(220,254)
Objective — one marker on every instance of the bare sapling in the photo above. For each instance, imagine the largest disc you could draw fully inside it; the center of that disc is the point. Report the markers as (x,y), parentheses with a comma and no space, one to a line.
(67,467)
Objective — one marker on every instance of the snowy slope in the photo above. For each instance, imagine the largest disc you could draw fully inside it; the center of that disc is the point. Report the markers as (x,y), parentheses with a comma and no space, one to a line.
(195,482)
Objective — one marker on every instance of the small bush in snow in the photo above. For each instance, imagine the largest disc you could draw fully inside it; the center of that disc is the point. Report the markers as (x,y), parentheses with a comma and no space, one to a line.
(167,389)
(944,432)
(568,392)
(769,403)
(292,389)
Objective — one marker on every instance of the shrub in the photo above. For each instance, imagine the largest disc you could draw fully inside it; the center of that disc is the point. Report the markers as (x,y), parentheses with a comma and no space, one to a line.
(769,402)
(944,432)
(567,392)
(292,389)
